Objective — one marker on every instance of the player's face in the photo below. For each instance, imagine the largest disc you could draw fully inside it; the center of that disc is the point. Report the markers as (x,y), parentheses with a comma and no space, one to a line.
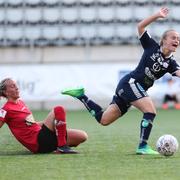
(171,42)
(12,91)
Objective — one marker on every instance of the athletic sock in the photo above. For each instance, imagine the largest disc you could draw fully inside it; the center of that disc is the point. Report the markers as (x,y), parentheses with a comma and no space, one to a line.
(60,125)
(146,126)
(92,107)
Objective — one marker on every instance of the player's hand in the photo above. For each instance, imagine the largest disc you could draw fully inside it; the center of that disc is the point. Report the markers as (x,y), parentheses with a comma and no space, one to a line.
(164,11)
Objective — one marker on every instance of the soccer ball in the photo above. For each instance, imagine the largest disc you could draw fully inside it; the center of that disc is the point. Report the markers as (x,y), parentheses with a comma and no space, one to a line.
(167,145)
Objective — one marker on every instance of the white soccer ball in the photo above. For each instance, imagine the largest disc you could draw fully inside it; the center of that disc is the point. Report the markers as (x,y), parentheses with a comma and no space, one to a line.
(167,145)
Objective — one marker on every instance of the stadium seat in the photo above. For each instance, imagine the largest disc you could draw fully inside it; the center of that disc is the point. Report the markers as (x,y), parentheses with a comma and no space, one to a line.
(2,37)
(125,33)
(15,15)
(105,13)
(68,2)
(140,2)
(105,31)
(159,2)
(2,1)
(14,2)
(2,16)
(69,14)
(33,15)
(175,2)
(70,35)
(123,2)
(32,32)
(2,32)
(51,15)
(105,2)
(140,12)
(14,33)
(50,1)
(51,32)
(124,13)
(87,2)
(33,2)
(88,31)
(175,13)
(88,14)
(105,34)
(13,36)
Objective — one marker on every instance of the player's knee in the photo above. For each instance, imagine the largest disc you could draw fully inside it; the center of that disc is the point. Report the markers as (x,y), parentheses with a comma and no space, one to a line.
(105,121)
(59,113)
(80,138)
(84,136)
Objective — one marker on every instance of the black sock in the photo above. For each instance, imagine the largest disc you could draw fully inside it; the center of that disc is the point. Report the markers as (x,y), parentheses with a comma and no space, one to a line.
(92,107)
(146,126)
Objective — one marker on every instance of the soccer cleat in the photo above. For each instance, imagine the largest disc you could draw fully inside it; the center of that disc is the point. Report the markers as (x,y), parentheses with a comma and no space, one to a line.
(74,92)
(146,150)
(65,150)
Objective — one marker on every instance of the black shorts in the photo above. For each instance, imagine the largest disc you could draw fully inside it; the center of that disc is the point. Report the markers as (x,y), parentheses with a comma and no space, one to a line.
(127,91)
(47,140)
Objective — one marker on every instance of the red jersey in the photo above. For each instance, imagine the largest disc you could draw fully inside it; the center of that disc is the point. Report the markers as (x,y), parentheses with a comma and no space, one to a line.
(21,123)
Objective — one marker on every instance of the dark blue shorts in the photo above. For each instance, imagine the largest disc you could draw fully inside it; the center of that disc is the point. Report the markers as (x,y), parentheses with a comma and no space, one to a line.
(127,91)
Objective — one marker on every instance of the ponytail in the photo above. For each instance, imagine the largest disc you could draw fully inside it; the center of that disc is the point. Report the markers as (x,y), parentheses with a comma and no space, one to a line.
(3,87)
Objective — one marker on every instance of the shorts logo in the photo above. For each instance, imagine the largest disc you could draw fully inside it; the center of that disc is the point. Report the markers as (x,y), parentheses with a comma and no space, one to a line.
(2,113)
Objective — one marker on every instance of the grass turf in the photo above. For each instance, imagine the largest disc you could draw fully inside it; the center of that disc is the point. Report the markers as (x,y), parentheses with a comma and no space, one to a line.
(109,152)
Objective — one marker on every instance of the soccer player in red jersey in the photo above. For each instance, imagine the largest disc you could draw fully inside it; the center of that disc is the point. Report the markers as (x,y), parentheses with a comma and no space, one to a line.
(47,136)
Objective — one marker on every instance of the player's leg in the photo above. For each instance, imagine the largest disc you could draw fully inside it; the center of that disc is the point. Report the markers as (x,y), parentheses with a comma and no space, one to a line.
(76,137)
(56,122)
(116,109)
(95,110)
(111,114)
(145,105)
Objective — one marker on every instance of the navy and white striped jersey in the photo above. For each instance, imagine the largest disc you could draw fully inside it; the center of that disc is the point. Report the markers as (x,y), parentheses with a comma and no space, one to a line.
(153,64)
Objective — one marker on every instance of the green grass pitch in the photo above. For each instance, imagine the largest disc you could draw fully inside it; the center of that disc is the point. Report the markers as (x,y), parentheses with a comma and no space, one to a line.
(109,152)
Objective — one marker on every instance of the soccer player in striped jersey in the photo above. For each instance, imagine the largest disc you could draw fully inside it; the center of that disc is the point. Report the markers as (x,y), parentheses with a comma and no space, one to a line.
(157,60)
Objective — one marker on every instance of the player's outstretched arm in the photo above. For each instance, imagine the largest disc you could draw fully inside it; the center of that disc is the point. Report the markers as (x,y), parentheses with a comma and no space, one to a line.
(162,13)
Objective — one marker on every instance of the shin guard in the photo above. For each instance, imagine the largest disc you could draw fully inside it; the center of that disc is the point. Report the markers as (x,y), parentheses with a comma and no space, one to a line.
(60,125)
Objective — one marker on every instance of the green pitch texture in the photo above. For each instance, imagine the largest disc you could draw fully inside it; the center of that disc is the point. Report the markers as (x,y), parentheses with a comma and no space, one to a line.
(109,152)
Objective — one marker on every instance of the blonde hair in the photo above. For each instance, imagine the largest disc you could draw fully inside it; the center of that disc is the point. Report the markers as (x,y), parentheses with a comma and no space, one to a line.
(164,35)
(3,86)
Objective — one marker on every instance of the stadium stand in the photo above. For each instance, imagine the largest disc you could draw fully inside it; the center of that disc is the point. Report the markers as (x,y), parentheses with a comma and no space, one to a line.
(69,19)
(79,23)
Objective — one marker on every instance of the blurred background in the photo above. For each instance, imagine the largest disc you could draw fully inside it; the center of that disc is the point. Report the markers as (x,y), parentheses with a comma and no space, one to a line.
(49,45)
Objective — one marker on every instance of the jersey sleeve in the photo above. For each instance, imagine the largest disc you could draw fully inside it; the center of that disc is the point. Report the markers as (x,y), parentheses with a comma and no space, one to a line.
(3,115)
(147,41)
(174,66)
